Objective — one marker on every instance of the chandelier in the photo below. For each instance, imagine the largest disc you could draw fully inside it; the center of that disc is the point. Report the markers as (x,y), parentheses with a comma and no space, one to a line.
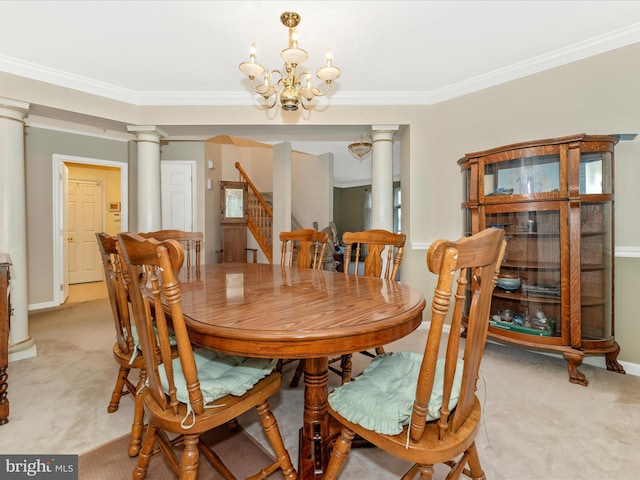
(361,148)
(292,88)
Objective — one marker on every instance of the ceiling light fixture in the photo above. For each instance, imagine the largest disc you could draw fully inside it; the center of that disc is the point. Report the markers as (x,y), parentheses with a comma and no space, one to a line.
(361,148)
(292,88)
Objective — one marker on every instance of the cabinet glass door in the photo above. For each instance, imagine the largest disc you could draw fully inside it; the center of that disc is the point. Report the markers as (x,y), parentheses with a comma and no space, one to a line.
(596,173)
(527,297)
(596,276)
(521,178)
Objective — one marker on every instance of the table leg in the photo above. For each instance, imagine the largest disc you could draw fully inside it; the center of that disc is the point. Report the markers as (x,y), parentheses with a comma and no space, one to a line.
(313,454)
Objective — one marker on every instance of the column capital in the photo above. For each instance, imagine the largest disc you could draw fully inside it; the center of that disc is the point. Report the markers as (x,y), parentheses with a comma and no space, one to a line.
(383,133)
(14,109)
(385,128)
(147,133)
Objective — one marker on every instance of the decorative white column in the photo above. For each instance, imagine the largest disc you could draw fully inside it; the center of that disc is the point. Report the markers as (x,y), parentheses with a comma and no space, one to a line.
(148,195)
(281,195)
(382,176)
(13,221)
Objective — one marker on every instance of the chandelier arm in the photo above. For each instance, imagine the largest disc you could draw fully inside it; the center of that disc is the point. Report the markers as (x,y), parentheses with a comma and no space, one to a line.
(253,87)
(266,102)
(302,100)
(318,93)
(279,73)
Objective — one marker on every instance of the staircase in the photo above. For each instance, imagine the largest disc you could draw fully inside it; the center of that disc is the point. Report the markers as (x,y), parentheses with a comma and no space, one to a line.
(260,216)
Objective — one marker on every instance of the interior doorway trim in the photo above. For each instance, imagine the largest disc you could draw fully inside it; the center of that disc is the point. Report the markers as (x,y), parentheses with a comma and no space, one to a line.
(58,241)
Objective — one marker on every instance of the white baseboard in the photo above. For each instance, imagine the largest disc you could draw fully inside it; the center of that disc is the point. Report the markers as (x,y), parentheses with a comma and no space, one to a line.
(40,306)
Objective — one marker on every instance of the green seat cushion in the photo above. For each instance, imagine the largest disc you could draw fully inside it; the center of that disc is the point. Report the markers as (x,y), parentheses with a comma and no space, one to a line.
(381,399)
(136,341)
(219,374)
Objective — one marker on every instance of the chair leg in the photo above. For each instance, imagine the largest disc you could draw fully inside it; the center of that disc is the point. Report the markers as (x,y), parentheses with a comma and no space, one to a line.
(144,457)
(411,474)
(216,462)
(474,463)
(426,472)
(346,367)
(270,427)
(190,459)
(296,376)
(137,426)
(118,391)
(341,449)
(279,366)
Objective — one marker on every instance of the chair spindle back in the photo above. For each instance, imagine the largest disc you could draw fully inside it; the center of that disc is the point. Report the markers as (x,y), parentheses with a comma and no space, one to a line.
(191,243)
(160,261)
(476,260)
(383,251)
(116,287)
(306,247)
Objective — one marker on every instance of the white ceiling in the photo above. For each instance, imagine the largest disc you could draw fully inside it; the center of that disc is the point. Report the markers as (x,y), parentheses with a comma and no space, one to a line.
(390,52)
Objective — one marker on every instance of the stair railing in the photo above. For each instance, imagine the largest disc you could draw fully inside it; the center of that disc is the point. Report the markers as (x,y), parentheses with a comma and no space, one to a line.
(260,216)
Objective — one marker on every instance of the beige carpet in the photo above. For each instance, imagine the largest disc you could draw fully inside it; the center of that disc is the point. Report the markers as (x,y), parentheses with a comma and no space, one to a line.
(537,425)
(239,452)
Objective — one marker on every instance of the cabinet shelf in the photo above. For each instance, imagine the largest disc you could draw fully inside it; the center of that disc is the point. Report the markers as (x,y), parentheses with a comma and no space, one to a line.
(587,267)
(532,234)
(593,301)
(530,265)
(524,297)
(538,192)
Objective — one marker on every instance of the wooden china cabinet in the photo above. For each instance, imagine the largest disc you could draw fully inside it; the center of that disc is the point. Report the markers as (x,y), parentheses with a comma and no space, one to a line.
(554,199)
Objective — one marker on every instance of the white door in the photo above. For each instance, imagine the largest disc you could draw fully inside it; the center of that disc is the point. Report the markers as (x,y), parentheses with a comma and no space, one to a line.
(177,195)
(85,203)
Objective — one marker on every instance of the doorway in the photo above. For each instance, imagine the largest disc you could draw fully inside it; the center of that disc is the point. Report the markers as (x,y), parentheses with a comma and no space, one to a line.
(61,216)
(86,216)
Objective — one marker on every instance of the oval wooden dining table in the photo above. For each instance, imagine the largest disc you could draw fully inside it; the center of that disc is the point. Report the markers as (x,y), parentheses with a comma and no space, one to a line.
(271,311)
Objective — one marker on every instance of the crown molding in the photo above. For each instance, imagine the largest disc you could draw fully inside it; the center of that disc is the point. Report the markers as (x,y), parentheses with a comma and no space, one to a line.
(56,125)
(601,44)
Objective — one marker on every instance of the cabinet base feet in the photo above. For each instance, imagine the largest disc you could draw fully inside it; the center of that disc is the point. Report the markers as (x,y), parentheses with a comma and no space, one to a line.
(611,359)
(575,358)
(575,375)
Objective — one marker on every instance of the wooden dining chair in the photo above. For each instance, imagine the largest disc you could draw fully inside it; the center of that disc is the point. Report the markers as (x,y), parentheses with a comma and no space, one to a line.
(303,248)
(423,407)
(191,243)
(377,253)
(200,389)
(126,350)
